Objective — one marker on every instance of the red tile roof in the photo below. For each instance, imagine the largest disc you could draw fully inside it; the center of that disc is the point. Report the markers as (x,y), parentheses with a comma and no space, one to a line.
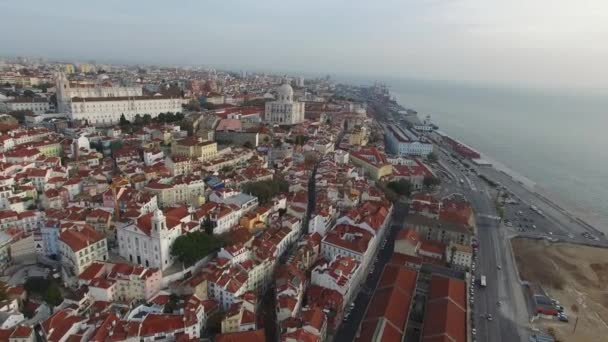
(56,326)
(349,237)
(389,308)
(445,316)
(80,237)
(159,323)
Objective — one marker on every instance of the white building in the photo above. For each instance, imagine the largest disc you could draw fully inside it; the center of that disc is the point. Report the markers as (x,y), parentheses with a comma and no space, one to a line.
(37,105)
(104,105)
(459,255)
(233,197)
(223,217)
(284,111)
(148,241)
(403,142)
(178,190)
(79,246)
(341,274)
(113,282)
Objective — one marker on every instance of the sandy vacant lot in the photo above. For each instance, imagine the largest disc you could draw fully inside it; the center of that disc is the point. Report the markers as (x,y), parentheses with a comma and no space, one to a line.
(577,276)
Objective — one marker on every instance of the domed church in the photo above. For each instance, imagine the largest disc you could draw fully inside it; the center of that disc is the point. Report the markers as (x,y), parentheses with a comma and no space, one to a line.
(284,110)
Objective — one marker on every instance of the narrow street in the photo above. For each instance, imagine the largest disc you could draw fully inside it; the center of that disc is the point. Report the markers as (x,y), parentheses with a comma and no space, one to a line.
(348,329)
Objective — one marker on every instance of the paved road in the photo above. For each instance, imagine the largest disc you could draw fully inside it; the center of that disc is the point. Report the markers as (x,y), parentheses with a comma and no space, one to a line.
(510,319)
(347,331)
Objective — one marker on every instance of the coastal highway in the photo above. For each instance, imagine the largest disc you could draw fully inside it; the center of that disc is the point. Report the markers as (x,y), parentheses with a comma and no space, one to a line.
(562,222)
(510,319)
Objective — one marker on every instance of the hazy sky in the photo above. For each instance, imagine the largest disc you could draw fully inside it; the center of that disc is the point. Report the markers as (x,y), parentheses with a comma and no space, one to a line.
(533,42)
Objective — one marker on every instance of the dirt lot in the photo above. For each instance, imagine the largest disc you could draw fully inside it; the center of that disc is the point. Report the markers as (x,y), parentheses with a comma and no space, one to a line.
(576,276)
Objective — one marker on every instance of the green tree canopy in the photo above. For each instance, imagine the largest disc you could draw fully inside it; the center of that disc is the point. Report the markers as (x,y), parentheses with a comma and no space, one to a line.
(430,181)
(301,140)
(53,295)
(123,120)
(194,246)
(401,187)
(193,106)
(208,105)
(265,190)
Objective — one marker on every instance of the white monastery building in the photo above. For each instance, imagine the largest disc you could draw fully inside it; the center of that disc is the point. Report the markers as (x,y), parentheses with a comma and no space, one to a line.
(103,103)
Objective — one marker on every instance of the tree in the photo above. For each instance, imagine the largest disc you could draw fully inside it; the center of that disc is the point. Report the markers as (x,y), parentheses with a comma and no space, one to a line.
(193,106)
(29,93)
(194,246)
(453,250)
(301,140)
(430,181)
(265,190)
(432,157)
(147,119)
(401,187)
(53,295)
(207,225)
(248,144)
(208,105)
(123,120)
(20,114)
(115,145)
(138,120)
(266,139)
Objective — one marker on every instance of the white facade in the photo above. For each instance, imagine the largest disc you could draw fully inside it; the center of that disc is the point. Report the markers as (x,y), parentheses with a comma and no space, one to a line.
(37,106)
(284,111)
(462,255)
(79,259)
(341,274)
(403,142)
(149,249)
(102,105)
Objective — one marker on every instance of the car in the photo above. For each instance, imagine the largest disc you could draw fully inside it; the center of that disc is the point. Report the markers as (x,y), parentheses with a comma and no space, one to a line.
(489,317)
(499,267)
(550,233)
(533,226)
(474,331)
(499,303)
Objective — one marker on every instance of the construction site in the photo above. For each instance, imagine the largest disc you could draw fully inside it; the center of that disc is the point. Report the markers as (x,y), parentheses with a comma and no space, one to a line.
(576,277)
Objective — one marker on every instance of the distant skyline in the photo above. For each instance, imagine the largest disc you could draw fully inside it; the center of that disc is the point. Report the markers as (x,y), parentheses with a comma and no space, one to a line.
(539,43)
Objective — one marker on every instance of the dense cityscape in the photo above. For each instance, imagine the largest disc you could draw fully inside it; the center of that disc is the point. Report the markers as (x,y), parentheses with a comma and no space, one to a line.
(153,203)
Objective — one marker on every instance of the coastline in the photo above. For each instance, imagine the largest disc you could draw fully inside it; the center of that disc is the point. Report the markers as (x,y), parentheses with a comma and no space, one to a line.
(581,215)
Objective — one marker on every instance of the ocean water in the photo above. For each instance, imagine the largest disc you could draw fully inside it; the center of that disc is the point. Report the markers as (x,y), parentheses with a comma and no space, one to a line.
(557,139)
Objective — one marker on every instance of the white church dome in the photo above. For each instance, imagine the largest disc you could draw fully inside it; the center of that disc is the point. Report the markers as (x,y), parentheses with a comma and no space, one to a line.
(285,92)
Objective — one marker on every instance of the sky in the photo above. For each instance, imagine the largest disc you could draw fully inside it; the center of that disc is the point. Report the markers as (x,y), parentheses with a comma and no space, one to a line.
(538,43)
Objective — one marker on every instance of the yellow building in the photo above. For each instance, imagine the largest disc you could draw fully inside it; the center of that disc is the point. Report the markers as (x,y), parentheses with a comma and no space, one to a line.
(194,148)
(69,68)
(358,136)
(373,163)
(49,148)
(256,219)
(85,68)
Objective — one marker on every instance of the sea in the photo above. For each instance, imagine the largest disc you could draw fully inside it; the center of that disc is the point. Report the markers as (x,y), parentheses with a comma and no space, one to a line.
(557,139)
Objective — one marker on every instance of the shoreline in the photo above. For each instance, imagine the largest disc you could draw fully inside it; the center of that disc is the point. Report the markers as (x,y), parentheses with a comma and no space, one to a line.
(581,215)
